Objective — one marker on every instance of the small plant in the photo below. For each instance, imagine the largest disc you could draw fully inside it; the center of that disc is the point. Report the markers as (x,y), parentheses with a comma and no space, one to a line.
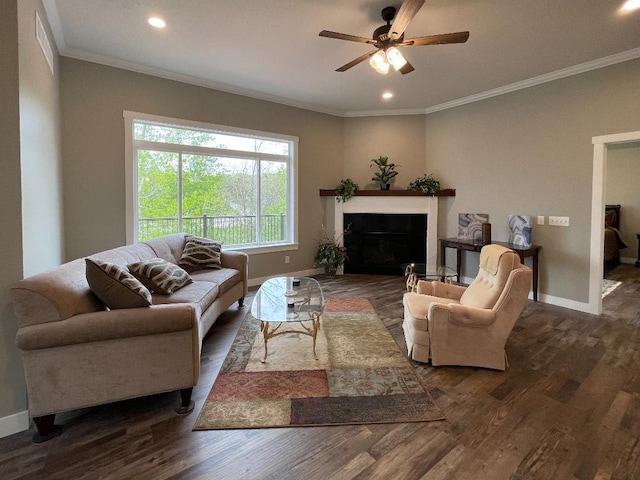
(346,189)
(386,171)
(330,254)
(425,184)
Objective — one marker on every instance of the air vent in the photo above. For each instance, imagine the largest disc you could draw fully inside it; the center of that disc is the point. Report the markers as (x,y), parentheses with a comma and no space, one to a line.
(43,40)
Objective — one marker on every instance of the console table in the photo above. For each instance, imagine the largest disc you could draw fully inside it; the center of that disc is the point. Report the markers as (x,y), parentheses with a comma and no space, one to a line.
(469,245)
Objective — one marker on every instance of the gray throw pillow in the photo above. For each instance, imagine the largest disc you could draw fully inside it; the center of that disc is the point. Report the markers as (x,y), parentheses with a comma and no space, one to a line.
(114,286)
(200,253)
(159,275)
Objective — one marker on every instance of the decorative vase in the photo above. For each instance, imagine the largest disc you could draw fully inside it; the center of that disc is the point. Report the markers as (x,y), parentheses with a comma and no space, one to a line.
(384,186)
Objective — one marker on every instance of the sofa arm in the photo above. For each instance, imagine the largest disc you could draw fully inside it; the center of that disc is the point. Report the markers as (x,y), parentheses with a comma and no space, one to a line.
(238,261)
(462,315)
(110,325)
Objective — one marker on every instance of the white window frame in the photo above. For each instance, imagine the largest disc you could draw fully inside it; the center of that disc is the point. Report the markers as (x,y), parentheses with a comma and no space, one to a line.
(131,171)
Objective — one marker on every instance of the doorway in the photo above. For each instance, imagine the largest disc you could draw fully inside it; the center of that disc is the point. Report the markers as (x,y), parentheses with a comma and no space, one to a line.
(596,268)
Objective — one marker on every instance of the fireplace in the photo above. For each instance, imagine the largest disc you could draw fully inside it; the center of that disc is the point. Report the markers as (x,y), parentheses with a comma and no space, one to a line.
(393,205)
(378,243)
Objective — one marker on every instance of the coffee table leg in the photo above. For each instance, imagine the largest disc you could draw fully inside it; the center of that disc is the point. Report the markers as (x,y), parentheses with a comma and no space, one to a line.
(264,326)
(314,334)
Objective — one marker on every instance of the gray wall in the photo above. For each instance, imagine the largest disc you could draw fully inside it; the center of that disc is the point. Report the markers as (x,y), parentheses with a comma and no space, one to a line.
(30,184)
(623,187)
(93,99)
(40,161)
(401,138)
(12,396)
(529,152)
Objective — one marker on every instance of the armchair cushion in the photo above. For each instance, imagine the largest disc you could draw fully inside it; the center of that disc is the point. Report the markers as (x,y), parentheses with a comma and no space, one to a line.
(487,287)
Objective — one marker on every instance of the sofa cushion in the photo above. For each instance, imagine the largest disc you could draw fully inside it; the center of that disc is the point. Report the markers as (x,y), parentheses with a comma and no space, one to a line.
(225,278)
(201,253)
(160,276)
(116,287)
(201,294)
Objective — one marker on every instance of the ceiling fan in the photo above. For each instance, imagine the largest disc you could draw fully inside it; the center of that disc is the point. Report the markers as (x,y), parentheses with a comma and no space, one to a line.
(387,37)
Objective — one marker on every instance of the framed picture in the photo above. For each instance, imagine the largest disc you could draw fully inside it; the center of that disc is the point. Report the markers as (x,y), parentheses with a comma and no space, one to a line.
(470,226)
(520,230)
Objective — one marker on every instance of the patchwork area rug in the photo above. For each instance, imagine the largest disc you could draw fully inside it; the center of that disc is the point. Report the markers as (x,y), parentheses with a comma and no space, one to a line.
(361,376)
(609,286)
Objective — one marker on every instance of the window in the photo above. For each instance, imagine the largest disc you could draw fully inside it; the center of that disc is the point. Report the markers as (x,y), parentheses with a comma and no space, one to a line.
(227,184)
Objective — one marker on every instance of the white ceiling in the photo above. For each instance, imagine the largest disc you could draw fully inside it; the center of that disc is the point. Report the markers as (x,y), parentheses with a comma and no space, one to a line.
(271,49)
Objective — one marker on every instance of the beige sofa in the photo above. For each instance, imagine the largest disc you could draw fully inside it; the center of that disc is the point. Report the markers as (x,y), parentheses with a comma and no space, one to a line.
(76,353)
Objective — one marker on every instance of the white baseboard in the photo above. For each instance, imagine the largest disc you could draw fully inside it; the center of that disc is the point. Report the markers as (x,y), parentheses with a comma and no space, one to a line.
(18,422)
(629,260)
(551,300)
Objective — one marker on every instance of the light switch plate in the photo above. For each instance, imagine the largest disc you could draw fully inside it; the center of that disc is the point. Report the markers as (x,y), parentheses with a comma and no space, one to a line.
(540,219)
(559,221)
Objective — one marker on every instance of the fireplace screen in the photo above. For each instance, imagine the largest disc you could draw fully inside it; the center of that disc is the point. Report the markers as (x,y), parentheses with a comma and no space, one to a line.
(379,243)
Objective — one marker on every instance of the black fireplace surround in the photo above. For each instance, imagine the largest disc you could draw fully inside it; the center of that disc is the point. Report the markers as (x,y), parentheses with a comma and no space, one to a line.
(378,243)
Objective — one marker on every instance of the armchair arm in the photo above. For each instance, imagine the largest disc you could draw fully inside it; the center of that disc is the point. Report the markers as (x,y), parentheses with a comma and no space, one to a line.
(461,315)
(440,289)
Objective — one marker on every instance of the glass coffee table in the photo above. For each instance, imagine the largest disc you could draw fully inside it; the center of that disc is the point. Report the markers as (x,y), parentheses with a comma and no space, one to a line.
(288,305)
(416,271)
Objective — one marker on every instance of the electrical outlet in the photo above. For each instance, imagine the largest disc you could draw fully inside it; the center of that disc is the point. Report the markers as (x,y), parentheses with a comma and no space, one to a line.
(540,219)
(559,221)
(286,259)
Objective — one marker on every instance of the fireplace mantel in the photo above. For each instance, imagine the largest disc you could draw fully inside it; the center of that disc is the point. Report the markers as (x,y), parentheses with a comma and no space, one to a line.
(448,192)
(391,201)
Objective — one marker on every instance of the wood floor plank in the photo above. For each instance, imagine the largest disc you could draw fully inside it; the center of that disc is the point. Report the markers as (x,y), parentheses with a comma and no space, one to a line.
(568,407)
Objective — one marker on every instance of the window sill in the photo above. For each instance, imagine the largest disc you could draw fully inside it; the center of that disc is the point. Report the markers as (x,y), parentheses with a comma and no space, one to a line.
(265,248)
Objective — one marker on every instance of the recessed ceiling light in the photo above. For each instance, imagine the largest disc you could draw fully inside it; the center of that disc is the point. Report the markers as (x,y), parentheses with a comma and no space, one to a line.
(631,5)
(157,22)
(387,95)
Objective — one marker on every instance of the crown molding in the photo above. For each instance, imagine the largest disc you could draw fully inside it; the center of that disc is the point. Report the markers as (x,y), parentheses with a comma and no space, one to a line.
(178,77)
(547,77)
(531,82)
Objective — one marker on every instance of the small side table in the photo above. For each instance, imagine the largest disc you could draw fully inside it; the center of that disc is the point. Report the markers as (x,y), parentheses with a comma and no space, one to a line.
(416,271)
(468,245)
(638,261)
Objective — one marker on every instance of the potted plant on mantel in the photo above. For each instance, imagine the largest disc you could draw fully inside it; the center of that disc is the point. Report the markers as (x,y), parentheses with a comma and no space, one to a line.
(386,171)
(425,184)
(345,189)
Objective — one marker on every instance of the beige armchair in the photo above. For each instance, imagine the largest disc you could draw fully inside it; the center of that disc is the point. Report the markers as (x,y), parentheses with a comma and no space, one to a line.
(455,325)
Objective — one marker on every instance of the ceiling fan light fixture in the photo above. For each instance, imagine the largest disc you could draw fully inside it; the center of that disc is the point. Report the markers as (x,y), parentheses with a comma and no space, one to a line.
(631,5)
(396,58)
(157,22)
(379,62)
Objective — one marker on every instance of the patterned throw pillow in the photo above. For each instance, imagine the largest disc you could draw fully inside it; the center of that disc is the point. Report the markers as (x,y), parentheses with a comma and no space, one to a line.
(201,253)
(116,287)
(159,275)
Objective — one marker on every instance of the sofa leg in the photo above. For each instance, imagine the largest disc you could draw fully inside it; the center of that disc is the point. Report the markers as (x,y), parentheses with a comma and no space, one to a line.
(46,429)
(241,302)
(186,404)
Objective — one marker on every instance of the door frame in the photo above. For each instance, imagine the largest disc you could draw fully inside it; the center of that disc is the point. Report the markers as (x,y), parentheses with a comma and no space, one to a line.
(596,257)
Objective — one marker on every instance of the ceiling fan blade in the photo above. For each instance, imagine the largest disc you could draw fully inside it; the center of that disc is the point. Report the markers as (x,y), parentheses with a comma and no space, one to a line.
(457,37)
(355,62)
(406,68)
(407,11)
(344,36)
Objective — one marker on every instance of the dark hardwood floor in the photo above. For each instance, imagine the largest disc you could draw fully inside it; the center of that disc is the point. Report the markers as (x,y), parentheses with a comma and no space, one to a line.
(568,407)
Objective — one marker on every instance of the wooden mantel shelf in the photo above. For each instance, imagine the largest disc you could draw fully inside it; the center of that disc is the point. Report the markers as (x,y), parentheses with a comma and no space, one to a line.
(447,192)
